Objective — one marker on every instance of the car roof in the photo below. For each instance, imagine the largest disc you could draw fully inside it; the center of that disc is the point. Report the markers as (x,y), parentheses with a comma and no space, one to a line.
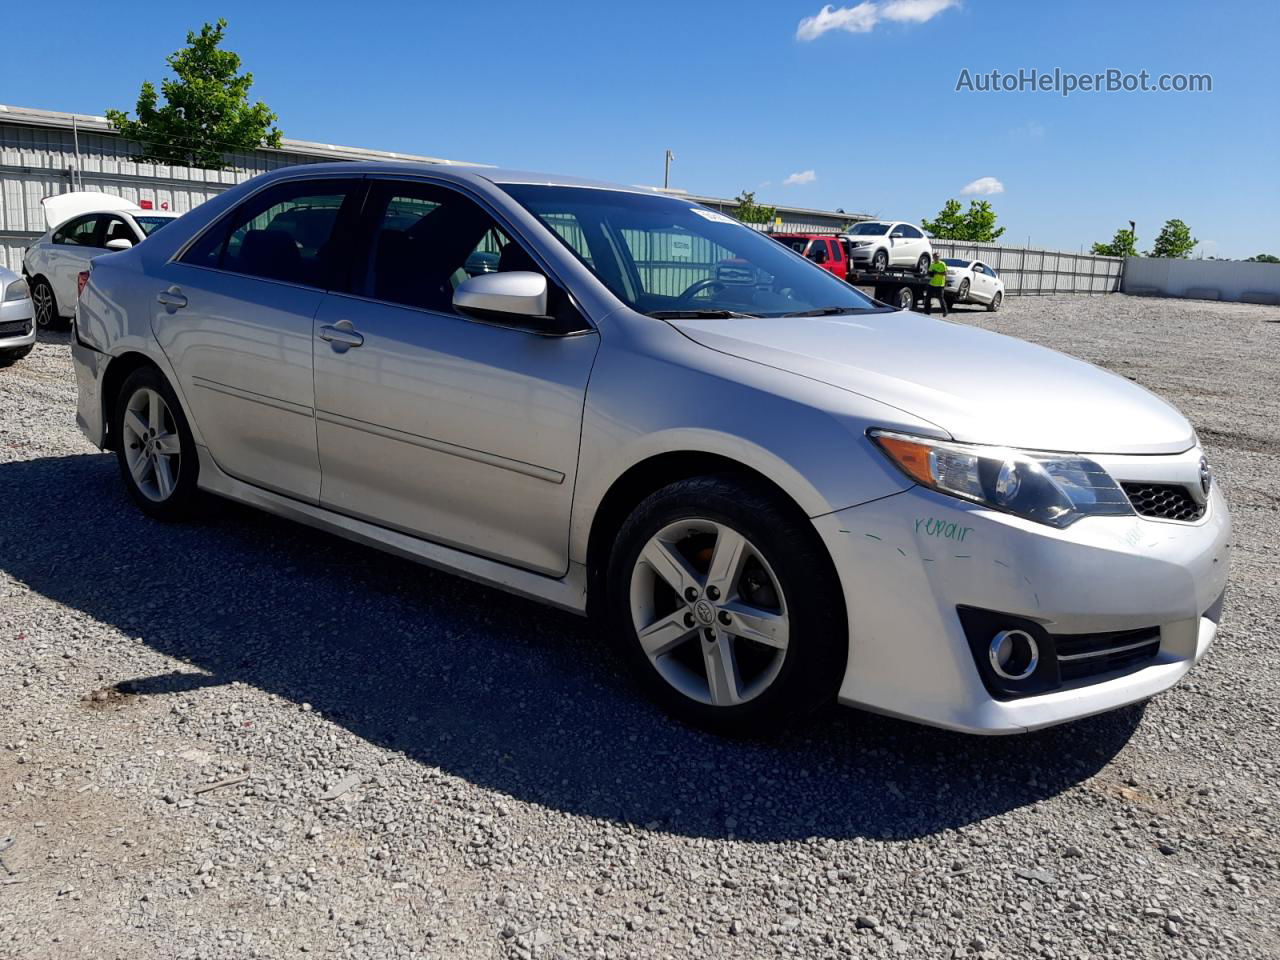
(468,174)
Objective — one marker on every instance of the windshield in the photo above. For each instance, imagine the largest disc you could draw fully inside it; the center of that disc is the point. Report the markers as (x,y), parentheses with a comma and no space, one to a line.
(667,257)
(150,225)
(953,262)
(868,229)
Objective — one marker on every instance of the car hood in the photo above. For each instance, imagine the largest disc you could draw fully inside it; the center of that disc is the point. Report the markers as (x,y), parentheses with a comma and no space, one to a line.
(61,208)
(978,386)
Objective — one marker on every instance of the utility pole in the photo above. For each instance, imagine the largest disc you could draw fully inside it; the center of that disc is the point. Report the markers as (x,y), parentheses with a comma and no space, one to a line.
(666,170)
(1133,237)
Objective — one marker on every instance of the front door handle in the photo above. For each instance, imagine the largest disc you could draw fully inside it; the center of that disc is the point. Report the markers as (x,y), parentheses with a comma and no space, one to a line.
(341,334)
(173,298)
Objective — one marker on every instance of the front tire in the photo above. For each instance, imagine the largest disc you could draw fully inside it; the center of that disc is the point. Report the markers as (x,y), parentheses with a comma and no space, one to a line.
(922,265)
(880,262)
(994,305)
(45,304)
(963,293)
(722,599)
(154,446)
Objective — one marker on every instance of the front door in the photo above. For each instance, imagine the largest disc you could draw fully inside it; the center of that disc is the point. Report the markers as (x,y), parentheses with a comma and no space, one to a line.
(234,316)
(441,426)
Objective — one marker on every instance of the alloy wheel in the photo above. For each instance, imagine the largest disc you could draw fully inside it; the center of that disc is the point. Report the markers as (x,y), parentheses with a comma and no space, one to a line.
(42,299)
(152,447)
(709,612)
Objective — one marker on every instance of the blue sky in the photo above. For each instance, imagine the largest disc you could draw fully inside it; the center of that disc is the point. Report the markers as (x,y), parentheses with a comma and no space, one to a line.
(747,97)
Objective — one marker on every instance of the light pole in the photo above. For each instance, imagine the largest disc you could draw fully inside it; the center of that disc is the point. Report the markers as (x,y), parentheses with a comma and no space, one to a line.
(666,170)
(1133,237)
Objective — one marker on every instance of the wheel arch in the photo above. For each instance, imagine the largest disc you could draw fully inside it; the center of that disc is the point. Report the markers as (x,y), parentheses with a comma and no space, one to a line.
(647,476)
(117,372)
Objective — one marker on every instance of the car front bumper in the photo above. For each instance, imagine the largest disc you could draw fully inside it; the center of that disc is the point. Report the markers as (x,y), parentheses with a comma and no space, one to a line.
(17,324)
(863,254)
(908,562)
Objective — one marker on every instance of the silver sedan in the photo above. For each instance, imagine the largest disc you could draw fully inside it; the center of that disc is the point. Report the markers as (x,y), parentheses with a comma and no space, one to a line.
(769,491)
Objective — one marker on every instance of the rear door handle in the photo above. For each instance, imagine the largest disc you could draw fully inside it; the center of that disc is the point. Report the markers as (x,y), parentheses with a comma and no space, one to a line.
(343,335)
(172,298)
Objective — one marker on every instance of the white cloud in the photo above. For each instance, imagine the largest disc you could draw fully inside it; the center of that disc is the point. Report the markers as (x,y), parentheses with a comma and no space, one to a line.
(863,17)
(983,185)
(804,176)
(859,19)
(914,11)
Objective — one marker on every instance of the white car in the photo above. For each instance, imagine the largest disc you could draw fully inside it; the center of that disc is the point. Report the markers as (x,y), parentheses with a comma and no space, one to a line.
(972,281)
(881,244)
(17,329)
(81,226)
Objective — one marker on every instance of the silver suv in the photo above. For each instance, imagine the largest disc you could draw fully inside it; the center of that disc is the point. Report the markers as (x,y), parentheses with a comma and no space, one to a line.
(769,490)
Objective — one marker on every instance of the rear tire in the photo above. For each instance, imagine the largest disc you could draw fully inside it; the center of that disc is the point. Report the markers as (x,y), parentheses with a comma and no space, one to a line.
(905,298)
(994,305)
(154,446)
(45,303)
(739,605)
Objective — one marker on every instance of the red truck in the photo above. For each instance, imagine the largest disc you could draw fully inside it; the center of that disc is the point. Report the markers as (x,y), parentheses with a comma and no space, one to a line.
(823,249)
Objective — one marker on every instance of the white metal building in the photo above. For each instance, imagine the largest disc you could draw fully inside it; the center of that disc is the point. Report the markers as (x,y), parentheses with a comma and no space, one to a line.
(46,152)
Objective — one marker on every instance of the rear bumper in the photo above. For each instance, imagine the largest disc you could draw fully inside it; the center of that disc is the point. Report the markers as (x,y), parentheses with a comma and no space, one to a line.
(89,365)
(903,582)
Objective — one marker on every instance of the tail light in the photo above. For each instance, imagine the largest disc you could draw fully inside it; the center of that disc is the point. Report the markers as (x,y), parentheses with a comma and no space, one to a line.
(81,279)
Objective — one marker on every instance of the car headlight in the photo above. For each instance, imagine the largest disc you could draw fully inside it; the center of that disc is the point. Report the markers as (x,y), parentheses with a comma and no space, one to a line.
(16,291)
(1056,489)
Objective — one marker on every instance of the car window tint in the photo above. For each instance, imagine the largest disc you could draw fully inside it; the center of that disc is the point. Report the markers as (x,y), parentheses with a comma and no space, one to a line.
(117,229)
(425,240)
(79,233)
(286,232)
(818,251)
(910,232)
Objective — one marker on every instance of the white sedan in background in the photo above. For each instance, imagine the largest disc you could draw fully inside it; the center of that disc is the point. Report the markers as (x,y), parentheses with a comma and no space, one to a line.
(972,281)
(82,226)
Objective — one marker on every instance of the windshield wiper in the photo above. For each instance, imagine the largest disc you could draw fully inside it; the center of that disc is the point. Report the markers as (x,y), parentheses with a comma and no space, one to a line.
(825,312)
(699,315)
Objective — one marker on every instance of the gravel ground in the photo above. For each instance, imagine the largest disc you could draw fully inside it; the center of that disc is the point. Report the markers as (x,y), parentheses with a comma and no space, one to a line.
(241,738)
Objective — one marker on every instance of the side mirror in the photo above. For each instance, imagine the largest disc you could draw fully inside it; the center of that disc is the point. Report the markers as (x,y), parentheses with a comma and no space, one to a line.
(119,243)
(516,298)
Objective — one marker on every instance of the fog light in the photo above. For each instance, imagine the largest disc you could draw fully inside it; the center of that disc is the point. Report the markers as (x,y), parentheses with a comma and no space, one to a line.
(1014,654)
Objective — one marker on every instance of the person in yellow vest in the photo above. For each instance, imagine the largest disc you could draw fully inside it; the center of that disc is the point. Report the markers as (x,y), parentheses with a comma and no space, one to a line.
(937,285)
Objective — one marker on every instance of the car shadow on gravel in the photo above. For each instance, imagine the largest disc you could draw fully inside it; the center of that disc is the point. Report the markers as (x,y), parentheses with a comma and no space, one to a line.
(510,695)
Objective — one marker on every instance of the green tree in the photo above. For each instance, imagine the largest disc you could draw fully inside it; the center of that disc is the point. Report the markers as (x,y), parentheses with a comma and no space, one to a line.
(748,211)
(206,111)
(1264,258)
(1175,241)
(1123,244)
(977,224)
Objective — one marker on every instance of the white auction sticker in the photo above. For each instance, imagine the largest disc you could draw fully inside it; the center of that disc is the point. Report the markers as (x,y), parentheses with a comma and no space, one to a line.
(712,215)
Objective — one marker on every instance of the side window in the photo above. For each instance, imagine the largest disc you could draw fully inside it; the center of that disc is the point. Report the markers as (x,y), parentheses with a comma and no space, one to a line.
(898,231)
(818,251)
(117,229)
(425,240)
(79,233)
(910,232)
(286,232)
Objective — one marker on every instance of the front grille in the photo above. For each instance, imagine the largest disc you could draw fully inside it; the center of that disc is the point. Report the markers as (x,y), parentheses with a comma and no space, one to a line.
(1089,654)
(1166,501)
(15,328)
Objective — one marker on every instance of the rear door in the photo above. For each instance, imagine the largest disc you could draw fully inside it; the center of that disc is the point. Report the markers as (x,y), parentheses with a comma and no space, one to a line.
(433,423)
(234,316)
